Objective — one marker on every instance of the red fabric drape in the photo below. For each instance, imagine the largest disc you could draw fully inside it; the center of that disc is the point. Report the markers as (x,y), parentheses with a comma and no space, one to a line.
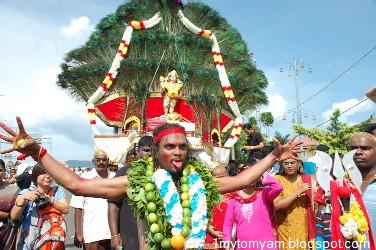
(311,218)
(335,192)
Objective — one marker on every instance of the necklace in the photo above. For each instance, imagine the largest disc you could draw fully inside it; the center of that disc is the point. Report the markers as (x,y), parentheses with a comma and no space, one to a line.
(369,178)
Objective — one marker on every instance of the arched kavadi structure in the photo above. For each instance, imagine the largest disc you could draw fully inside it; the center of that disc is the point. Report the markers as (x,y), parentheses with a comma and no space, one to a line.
(154,61)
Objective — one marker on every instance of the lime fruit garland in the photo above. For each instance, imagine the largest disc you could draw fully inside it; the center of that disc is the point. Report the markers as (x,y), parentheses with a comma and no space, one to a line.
(146,201)
(152,218)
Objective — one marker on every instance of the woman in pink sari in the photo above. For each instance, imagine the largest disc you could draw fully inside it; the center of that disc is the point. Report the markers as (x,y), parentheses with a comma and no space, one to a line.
(251,210)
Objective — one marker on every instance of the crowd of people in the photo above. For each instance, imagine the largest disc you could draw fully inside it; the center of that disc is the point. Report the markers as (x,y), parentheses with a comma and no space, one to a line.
(260,208)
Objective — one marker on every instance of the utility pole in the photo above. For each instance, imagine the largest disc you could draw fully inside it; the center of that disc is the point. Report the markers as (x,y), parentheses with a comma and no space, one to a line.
(295,67)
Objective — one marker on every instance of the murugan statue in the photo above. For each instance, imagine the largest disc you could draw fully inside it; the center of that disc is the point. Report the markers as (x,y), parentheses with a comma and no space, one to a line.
(171,88)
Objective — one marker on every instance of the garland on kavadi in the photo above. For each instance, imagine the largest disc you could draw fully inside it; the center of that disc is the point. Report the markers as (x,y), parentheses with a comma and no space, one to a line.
(177,216)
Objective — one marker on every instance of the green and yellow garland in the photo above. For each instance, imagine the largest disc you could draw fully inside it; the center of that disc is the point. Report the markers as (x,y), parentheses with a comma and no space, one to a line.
(146,200)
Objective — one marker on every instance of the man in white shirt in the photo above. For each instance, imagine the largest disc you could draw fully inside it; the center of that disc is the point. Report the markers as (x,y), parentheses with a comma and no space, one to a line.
(91,222)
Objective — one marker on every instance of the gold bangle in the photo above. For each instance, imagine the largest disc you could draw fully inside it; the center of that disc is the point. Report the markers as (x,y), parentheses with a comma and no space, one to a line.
(116,235)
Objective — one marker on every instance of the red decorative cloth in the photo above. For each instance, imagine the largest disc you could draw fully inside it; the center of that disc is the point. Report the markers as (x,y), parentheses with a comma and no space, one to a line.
(310,214)
(218,217)
(338,192)
(238,197)
(320,196)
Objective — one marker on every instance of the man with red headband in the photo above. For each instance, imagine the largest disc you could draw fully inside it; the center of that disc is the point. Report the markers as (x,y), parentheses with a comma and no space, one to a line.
(170,157)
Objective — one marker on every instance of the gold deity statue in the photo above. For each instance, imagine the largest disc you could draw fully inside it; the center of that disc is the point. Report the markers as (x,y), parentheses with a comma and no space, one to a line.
(171,88)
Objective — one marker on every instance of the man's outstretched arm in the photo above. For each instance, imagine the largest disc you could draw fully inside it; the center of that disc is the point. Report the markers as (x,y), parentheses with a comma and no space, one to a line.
(242,180)
(25,144)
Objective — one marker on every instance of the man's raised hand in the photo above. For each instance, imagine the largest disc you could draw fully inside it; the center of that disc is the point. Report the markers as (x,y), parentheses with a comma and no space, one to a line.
(21,141)
(287,150)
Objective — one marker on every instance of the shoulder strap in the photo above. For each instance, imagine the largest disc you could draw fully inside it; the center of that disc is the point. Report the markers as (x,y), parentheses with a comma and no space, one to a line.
(52,191)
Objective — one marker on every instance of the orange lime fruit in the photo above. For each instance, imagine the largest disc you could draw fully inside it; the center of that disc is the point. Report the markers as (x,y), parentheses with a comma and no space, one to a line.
(177,242)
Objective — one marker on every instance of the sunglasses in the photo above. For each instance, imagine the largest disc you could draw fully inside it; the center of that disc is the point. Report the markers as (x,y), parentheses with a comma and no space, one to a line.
(101,159)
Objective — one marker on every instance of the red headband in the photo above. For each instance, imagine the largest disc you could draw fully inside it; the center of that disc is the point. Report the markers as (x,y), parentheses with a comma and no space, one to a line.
(168,131)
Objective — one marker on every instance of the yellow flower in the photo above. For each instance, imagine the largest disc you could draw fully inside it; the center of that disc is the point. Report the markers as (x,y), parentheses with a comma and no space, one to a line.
(363,225)
(355,207)
(344,218)
(361,238)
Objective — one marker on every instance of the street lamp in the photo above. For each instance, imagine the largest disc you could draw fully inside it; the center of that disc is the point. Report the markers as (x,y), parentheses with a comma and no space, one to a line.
(294,115)
(294,68)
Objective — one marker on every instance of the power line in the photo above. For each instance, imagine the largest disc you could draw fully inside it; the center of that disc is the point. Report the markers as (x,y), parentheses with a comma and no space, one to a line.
(336,79)
(365,99)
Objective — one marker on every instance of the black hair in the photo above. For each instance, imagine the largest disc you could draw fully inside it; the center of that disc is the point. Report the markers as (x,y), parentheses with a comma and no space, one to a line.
(2,164)
(37,170)
(232,169)
(146,140)
(323,148)
(247,126)
(250,162)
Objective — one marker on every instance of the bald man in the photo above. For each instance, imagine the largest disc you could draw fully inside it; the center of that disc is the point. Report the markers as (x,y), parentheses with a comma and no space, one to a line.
(365,159)
(91,224)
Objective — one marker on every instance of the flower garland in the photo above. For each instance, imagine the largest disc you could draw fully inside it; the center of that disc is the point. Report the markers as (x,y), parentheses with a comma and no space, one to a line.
(225,82)
(174,221)
(113,71)
(354,224)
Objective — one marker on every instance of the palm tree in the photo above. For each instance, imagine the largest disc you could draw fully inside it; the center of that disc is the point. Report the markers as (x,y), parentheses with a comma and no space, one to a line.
(267,120)
(283,139)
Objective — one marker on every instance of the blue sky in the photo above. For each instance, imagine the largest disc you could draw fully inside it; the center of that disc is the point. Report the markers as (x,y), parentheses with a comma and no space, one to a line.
(328,36)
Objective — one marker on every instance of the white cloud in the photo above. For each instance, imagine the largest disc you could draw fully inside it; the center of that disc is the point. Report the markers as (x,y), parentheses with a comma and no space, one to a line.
(77,26)
(277,106)
(272,83)
(47,110)
(342,106)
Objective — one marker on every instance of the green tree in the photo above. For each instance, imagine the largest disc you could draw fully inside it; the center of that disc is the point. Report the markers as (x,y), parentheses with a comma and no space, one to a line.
(336,136)
(267,120)
(282,138)
(190,55)
(252,120)
(363,125)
